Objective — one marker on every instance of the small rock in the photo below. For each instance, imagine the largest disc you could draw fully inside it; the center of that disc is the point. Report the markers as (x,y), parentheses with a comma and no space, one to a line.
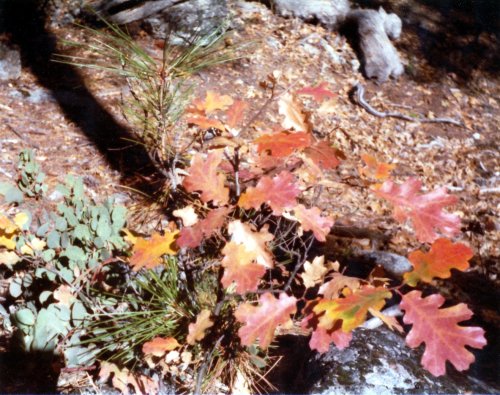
(10,63)
(56,196)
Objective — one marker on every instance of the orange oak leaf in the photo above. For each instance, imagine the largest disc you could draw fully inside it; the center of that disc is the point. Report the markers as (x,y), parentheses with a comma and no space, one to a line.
(283,144)
(333,289)
(323,155)
(322,338)
(389,320)
(205,123)
(294,115)
(198,328)
(375,169)
(192,236)
(148,253)
(213,101)
(319,93)
(442,257)
(279,192)
(254,241)
(159,346)
(425,210)
(437,328)
(203,176)
(311,219)
(261,321)
(240,267)
(352,309)
(236,112)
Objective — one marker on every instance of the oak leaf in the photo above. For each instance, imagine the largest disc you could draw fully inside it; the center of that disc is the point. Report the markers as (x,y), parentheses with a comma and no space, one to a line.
(203,176)
(437,328)
(442,257)
(279,192)
(352,309)
(311,220)
(240,267)
(314,272)
(205,123)
(187,214)
(333,288)
(8,232)
(425,210)
(148,253)
(294,115)
(323,155)
(322,338)
(192,236)
(261,321)
(374,169)
(242,233)
(319,92)
(9,258)
(283,144)
(235,113)
(159,346)
(198,328)
(122,378)
(213,101)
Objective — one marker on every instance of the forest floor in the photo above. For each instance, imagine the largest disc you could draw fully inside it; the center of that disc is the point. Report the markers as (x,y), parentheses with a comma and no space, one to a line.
(464,159)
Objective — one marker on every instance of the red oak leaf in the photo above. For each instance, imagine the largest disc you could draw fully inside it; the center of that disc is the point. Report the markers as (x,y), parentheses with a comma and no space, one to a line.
(192,236)
(311,219)
(319,93)
(283,144)
(437,328)
(323,155)
(442,257)
(279,192)
(148,253)
(375,169)
(235,113)
(261,321)
(240,267)
(295,116)
(322,338)
(352,309)
(425,210)
(203,176)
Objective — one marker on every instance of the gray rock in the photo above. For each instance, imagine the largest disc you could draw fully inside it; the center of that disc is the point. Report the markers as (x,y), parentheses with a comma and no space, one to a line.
(376,362)
(188,19)
(10,63)
(329,13)
(379,58)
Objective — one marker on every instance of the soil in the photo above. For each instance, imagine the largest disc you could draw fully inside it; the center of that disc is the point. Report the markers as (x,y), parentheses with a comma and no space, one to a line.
(72,119)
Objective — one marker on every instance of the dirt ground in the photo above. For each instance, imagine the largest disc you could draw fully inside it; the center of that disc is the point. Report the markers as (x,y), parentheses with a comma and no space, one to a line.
(68,117)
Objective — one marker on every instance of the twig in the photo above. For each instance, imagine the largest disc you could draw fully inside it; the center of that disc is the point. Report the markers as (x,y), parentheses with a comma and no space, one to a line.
(25,138)
(204,367)
(359,92)
(358,233)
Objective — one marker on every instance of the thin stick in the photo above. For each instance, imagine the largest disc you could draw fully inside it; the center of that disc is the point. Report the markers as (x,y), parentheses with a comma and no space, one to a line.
(359,92)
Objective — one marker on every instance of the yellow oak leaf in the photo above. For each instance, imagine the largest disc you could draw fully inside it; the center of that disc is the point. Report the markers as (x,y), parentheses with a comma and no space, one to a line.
(314,272)
(9,258)
(197,329)
(242,233)
(8,233)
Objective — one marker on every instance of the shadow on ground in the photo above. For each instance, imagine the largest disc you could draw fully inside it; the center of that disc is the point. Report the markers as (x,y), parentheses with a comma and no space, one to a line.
(459,37)
(24,23)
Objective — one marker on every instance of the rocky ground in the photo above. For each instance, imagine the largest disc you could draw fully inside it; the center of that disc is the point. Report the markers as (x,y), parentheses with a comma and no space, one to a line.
(64,118)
